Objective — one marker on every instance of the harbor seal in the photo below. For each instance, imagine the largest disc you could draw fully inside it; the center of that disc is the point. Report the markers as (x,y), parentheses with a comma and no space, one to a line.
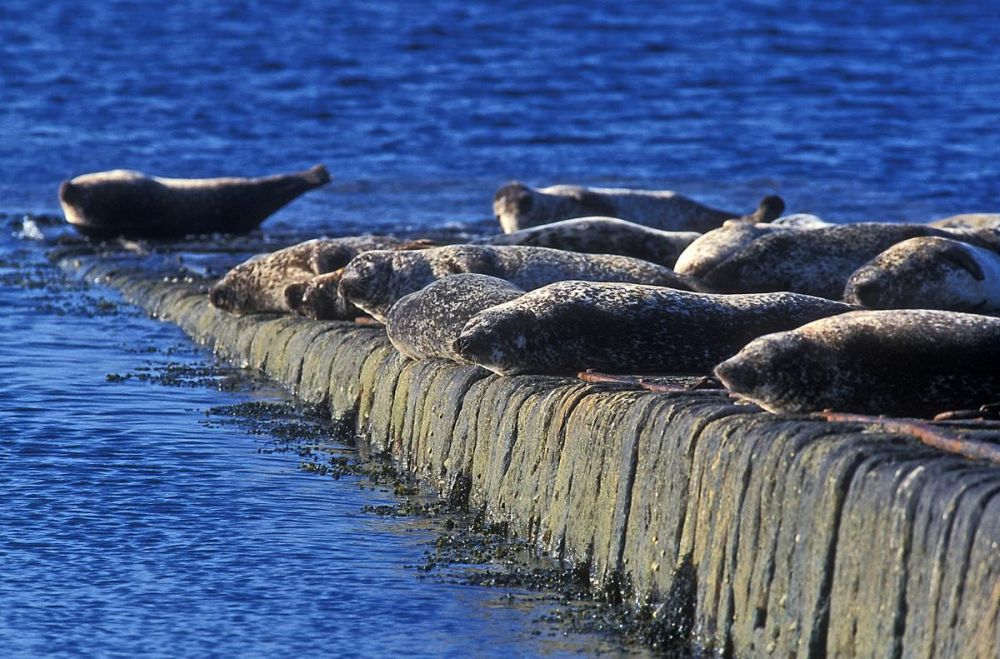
(133,205)
(320,297)
(518,206)
(969,221)
(928,273)
(268,282)
(374,280)
(814,262)
(602,235)
(717,245)
(571,326)
(426,323)
(902,362)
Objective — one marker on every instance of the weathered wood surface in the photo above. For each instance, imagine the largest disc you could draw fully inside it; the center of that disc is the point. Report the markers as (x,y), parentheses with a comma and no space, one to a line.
(808,538)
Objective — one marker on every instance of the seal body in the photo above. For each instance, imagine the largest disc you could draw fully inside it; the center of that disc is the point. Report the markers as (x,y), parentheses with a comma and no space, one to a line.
(374,280)
(570,326)
(928,273)
(518,206)
(969,221)
(901,362)
(717,245)
(815,262)
(426,323)
(268,282)
(131,204)
(603,235)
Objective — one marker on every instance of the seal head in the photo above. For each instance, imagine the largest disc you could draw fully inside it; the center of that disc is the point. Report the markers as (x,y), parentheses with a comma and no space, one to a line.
(928,273)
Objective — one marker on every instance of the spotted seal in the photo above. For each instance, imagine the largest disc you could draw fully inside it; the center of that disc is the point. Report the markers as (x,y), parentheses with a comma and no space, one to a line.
(269,282)
(426,323)
(320,297)
(518,206)
(571,326)
(928,273)
(717,245)
(602,235)
(376,279)
(969,221)
(133,205)
(900,362)
(815,262)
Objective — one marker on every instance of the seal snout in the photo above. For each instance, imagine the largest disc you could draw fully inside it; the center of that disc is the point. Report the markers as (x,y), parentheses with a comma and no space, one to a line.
(463,344)
(67,192)
(222,297)
(737,374)
(865,292)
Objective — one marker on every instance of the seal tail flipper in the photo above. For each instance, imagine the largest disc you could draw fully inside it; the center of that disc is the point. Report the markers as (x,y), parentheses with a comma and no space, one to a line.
(317,175)
(769,209)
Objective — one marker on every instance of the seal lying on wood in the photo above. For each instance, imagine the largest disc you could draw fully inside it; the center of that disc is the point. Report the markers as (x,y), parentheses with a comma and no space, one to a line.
(900,362)
(969,221)
(602,235)
(266,282)
(130,204)
(717,245)
(518,206)
(426,323)
(571,326)
(814,262)
(374,280)
(928,273)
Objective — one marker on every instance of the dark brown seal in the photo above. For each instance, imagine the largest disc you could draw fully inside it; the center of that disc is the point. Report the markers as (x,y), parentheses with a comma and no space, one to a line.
(928,273)
(269,282)
(131,204)
(518,206)
(374,280)
(426,323)
(900,362)
(571,326)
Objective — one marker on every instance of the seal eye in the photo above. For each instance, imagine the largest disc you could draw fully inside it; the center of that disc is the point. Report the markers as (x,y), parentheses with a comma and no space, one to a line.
(524,202)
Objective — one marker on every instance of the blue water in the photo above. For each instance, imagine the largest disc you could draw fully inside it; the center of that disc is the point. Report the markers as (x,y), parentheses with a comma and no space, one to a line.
(127,524)
(138,519)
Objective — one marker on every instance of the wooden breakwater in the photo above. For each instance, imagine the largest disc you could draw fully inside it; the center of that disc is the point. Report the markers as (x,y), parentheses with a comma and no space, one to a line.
(799,537)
